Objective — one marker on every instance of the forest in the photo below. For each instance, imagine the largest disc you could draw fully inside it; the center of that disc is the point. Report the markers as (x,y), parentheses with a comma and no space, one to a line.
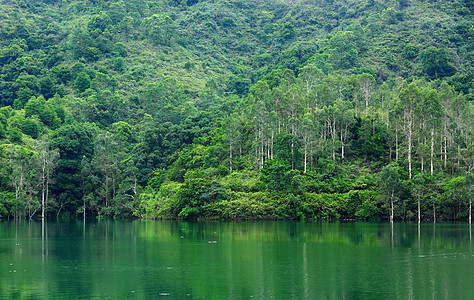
(237,109)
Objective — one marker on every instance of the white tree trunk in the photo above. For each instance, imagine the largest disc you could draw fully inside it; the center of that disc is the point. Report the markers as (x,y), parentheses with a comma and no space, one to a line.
(391,207)
(419,210)
(432,151)
(410,133)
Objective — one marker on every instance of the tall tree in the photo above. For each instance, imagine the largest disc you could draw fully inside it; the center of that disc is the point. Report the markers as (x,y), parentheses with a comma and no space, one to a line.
(306,132)
(410,98)
(431,110)
(366,89)
(345,118)
(47,160)
(232,129)
(390,185)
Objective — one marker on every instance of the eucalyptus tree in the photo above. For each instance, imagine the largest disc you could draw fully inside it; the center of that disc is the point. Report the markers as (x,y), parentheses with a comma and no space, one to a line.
(327,117)
(396,116)
(419,188)
(390,185)
(338,87)
(294,99)
(462,125)
(410,98)
(385,96)
(365,89)
(345,118)
(446,98)
(232,127)
(323,95)
(470,184)
(431,111)
(309,78)
(22,175)
(306,132)
(47,161)
(279,106)
(106,160)
(259,115)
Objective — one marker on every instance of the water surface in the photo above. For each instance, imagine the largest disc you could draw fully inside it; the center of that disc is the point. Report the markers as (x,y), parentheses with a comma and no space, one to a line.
(241,260)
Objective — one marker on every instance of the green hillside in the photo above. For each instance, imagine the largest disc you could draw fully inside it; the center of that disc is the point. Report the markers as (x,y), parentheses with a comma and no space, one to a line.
(237,109)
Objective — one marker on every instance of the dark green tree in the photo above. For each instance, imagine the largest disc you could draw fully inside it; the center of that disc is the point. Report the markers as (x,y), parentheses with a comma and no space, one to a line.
(435,63)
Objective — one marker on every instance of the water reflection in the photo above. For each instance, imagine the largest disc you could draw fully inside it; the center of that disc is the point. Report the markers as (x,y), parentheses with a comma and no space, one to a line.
(120,259)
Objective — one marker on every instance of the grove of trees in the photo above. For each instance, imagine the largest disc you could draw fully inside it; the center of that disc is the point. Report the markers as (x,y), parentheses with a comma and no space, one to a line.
(237,109)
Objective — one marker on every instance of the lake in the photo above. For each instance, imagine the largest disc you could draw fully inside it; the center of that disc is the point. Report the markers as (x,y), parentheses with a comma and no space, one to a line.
(235,260)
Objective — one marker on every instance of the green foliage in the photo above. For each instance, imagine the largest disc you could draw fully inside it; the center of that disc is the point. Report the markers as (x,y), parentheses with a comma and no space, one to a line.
(197,192)
(248,110)
(277,175)
(119,64)
(42,109)
(435,63)
(344,52)
(82,82)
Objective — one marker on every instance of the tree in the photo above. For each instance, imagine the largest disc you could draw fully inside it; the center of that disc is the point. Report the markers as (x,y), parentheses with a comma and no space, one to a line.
(410,98)
(345,118)
(160,29)
(366,89)
(41,108)
(470,184)
(287,32)
(435,63)
(82,82)
(306,132)
(456,192)
(309,78)
(344,53)
(47,160)
(233,137)
(431,111)
(107,161)
(419,191)
(390,185)
(21,178)
(74,142)
(277,175)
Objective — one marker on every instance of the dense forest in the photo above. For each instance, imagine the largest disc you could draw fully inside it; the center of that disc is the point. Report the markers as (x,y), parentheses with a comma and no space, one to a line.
(237,109)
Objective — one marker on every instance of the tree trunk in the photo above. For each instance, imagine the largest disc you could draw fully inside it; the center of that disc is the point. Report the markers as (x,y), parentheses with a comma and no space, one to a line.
(366,106)
(230,158)
(470,209)
(43,191)
(106,189)
(410,133)
(432,151)
(342,146)
(271,146)
(305,156)
(419,211)
(445,146)
(396,144)
(391,207)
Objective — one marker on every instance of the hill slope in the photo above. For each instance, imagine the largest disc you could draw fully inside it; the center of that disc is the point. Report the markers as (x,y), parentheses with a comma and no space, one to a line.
(236,109)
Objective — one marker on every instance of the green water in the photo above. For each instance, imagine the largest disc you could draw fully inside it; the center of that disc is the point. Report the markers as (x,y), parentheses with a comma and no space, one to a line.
(248,260)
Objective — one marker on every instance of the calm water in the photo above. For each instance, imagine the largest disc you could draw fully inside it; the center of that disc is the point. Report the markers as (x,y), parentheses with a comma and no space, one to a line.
(270,260)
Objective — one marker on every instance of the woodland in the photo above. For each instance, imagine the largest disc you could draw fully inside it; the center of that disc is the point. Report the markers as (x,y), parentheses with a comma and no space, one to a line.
(237,109)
